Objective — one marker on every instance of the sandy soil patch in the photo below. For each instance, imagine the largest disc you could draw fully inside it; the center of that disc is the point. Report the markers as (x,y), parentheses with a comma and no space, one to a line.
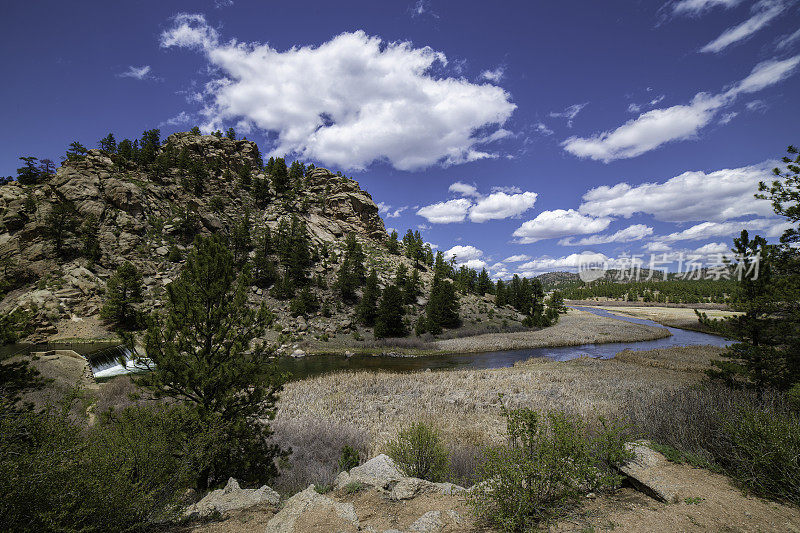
(709,502)
(89,328)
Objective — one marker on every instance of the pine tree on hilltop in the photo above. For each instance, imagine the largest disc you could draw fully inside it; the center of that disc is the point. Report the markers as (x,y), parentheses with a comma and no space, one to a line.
(28,173)
(367,308)
(389,322)
(484,285)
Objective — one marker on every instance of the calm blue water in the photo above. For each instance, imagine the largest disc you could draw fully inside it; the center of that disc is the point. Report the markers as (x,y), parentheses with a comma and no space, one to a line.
(104,359)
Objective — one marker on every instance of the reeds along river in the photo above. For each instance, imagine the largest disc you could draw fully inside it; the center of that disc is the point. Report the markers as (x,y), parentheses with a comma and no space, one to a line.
(105,358)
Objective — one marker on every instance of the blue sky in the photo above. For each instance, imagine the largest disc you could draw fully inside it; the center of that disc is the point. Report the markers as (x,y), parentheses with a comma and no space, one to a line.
(526,130)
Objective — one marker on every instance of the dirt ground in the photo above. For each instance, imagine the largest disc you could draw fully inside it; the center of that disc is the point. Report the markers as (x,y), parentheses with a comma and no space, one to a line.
(708,502)
(84,328)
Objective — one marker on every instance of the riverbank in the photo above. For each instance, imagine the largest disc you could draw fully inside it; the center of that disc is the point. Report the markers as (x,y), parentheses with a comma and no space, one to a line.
(674,317)
(574,328)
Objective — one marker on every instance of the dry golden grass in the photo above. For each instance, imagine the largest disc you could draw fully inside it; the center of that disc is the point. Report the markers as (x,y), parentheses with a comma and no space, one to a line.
(465,403)
(573,329)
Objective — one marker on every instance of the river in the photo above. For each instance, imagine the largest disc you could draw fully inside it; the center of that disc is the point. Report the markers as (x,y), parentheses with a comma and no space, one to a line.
(104,358)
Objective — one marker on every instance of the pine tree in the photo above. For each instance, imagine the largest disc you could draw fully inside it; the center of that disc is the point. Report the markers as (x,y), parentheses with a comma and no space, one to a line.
(125,149)
(500,294)
(351,273)
(484,284)
(230,134)
(108,144)
(389,322)
(442,309)
(276,167)
(392,244)
(76,151)
(60,224)
(28,173)
(123,292)
(240,240)
(367,309)
(202,353)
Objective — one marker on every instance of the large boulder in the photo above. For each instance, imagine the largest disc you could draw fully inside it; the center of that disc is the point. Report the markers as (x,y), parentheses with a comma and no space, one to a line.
(380,472)
(308,511)
(230,498)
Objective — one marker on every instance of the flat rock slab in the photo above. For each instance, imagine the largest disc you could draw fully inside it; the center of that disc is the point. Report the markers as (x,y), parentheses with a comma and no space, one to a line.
(309,512)
(648,471)
(230,498)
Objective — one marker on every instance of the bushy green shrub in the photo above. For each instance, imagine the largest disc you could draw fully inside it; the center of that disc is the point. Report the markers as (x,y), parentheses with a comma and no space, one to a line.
(350,458)
(123,474)
(547,463)
(764,452)
(419,452)
(752,437)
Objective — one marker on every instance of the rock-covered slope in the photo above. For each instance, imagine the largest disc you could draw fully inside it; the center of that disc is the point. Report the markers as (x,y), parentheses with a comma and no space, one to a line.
(139,213)
(63,237)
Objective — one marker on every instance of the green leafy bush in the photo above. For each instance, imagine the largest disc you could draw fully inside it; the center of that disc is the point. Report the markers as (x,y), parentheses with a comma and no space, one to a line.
(419,452)
(350,458)
(548,462)
(125,473)
(752,437)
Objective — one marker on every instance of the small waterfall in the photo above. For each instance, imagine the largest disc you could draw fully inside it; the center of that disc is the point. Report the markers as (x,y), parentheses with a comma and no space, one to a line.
(113,361)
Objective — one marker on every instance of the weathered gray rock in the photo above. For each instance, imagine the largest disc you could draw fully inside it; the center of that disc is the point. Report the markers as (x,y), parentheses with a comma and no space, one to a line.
(430,522)
(410,487)
(230,498)
(311,511)
(646,472)
(379,472)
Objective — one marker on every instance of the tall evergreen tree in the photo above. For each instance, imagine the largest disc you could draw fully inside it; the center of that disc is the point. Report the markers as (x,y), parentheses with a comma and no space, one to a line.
(367,308)
(60,224)
(28,173)
(442,308)
(202,353)
(389,322)
(108,144)
(123,292)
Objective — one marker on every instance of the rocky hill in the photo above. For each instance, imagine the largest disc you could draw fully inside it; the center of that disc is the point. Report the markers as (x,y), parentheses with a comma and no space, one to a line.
(62,237)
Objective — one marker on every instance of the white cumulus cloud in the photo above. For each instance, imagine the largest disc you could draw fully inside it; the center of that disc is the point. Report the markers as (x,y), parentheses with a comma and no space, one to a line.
(446,212)
(559,223)
(516,258)
(464,189)
(348,102)
(772,227)
(691,196)
(657,127)
(462,254)
(635,232)
(500,205)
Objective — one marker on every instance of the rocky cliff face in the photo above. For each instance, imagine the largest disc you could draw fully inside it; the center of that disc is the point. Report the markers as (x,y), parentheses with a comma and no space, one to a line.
(138,214)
